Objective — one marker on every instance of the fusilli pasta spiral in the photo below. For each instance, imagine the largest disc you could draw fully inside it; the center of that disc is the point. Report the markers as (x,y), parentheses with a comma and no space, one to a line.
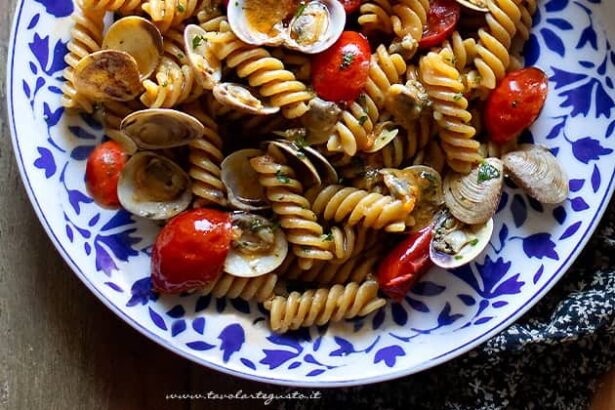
(122,6)
(321,306)
(170,13)
(258,289)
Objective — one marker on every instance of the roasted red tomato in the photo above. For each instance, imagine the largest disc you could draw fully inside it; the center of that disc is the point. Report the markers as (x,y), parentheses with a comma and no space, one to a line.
(405,264)
(340,73)
(515,104)
(102,172)
(190,250)
(442,19)
(351,5)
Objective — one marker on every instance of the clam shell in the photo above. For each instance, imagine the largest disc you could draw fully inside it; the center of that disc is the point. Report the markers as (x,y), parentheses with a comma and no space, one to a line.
(305,169)
(108,75)
(537,172)
(241,181)
(384,133)
(206,65)
(263,23)
(138,37)
(154,187)
(473,198)
(472,240)
(476,5)
(161,128)
(242,98)
(430,195)
(247,264)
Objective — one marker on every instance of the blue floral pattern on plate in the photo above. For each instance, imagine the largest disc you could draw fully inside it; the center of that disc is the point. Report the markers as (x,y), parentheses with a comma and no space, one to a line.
(445,314)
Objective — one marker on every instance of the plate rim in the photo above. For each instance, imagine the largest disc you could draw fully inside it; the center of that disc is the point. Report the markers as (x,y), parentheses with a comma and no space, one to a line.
(442,358)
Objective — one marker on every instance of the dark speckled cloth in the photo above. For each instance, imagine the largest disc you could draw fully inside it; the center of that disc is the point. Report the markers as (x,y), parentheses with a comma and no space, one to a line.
(550,359)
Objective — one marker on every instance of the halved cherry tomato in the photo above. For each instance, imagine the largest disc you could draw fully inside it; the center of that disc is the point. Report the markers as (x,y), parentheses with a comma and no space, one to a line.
(102,172)
(515,104)
(190,250)
(442,19)
(340,73)
(351,5)
(405,264)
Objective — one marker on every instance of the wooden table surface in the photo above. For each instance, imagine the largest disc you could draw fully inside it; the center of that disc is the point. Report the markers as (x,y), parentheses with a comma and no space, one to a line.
(61,348)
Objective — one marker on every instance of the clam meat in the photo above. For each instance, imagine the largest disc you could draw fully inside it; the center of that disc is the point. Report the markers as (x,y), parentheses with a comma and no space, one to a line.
(205,64)
(153,186)
(161,128)
(309,26)
(258,246)
(242,98)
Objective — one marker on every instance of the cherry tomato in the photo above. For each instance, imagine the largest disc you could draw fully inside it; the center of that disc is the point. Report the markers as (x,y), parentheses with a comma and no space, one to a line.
(340,73)
(190,250)
(405,264)
(351,5)
(442,19)
(102,172)
(515,104)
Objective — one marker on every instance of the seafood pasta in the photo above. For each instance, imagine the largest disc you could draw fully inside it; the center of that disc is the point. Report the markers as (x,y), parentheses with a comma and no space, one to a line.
(315,156)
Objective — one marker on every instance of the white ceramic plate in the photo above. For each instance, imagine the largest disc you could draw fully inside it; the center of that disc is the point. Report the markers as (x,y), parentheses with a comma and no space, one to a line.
(446,314)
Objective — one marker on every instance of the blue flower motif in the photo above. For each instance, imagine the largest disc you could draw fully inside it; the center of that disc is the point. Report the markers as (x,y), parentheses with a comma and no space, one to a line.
(389,355)
(540,246)
(141,292)
(491,273)
(232,338)
(588,149)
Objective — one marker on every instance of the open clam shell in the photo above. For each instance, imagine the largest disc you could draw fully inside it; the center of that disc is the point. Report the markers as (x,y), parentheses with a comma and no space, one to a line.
(161,128)
(242,98)
(108,75)
(305,169)
(241,181)
(430,199)
(454,244)
(154,187)
(384,133)
(537,172)
(473,198)
(476,5)
(258,247)
(138,37)
(204,62)
(307,26)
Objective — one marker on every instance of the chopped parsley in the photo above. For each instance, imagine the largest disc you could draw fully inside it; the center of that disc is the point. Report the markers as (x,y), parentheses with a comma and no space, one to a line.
(361,99)
(458,96)
(300,9)
(486,172)
(328,236)
(347,59)
(180,56)
(197,41)
(458,257)
(282,177)
(301,140)
(362,119)
(474,242)
(181,8)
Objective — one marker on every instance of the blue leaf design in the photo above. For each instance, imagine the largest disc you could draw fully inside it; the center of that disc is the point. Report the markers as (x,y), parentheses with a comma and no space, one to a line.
(57,8)
(33,68)
(178,327)
(247,363)
(52,117)
(232,338)
(532,51)
(610,129)
(121,218)
(241,305)
(317,343)
(40,49)
(417,305)
(563,78)
(315,372)
(579,98)
(499,304)
(579,204)
(538,274)
(445,318)
(510,286)
(58,63)
(345,347)
(556,130)
(503,202)
(104,262)
(553,42)
(46,161)
(34,21)
(276,358)
(378,319)
(294,365)
(427,288)
(94,220)
(571,230)
(157,319)
(87,248)
(120,244)
(141,292)
(285,340)
(587,64)
(198,325)
(176,312)
(389,355)
(596,179)
(588,36)
(604,102)
(519,210)
(540,246)
(75,198)
(560,23)
(202,303)
(503,234)
(400,316)
(26,88)
(114,287)
(199,346)
(559,214)
(482,320)
(576,185)
(81,133)
(588,149)
(69,233)
(81,152)
(55,90)
(556,5)
(467,299)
